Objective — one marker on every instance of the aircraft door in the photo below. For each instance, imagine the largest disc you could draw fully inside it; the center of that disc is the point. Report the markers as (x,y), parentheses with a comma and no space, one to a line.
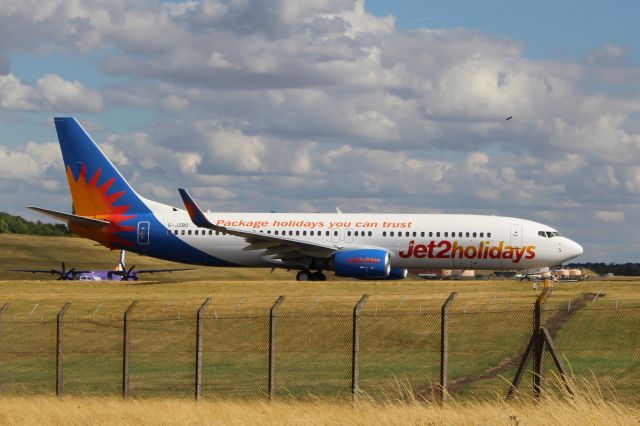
(143,233)
(516,235)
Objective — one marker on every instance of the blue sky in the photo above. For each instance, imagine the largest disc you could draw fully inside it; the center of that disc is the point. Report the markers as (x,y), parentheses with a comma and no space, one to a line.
(567,29)
(301,106)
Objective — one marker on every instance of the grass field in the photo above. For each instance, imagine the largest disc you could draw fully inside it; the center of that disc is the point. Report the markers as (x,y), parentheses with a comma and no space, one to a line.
(589,409)
(490,324)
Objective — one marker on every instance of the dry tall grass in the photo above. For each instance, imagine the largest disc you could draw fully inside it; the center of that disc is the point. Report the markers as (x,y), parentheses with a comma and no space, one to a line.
(582,410)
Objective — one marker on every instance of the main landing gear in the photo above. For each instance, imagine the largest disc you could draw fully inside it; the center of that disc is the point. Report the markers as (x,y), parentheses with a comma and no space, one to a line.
(311,276)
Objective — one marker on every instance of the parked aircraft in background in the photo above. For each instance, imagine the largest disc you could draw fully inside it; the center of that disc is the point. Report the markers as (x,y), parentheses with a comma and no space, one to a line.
(367,246)
(120,273)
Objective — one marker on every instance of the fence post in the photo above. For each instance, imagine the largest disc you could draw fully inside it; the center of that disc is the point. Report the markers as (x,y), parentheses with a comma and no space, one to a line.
(2,311)
(272,347)
(444,346)
(198,379)
(125,351)
(59,361)
(355,354)
(538,346)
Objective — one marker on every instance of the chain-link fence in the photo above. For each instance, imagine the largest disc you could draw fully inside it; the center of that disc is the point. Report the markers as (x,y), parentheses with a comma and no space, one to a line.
(473,349)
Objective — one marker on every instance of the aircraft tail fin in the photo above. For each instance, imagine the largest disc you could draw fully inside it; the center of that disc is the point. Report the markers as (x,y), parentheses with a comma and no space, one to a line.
(97,187)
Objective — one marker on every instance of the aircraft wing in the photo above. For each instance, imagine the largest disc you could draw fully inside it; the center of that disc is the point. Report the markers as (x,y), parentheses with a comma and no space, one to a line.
(46,271)
(35,271)
(68,217)
(282,247)
(151,271)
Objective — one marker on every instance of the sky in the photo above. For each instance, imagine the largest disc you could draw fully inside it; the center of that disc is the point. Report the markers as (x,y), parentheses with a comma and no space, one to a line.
(383,106)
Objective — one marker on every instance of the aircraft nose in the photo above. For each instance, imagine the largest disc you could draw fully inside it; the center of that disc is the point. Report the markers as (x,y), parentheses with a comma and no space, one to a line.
(572,249)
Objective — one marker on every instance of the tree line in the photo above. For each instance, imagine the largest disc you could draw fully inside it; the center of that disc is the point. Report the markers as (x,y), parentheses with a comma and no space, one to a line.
(600,268)
(18,225)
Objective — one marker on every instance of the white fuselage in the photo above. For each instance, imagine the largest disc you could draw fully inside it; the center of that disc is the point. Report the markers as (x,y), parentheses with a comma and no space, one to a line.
(449,241)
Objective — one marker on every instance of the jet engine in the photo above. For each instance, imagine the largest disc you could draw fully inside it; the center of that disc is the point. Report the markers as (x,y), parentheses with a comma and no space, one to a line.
(362,263)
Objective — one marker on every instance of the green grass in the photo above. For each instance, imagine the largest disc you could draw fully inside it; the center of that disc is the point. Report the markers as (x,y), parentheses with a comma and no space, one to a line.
(490,322)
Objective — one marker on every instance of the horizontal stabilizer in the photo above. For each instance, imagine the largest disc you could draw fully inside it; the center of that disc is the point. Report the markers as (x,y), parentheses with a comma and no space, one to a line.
(71,218)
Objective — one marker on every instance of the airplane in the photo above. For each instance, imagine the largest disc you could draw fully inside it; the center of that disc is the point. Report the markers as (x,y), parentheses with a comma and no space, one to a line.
(120,273)
(367,246)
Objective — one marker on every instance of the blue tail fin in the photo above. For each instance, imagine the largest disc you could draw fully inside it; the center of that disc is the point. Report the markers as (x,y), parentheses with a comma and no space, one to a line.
(97,187)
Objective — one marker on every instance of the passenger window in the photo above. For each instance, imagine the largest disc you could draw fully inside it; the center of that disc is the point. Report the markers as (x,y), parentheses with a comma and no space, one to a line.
(189,232)
(290,233)
(488,234)
(446,234)
(466,234)
(175,232)
(482,235)
(430,234)
(474,235)
(384,233)
(391,234)
(437,234)
(348,233)
(407,234)
(459,234)
(304,233)
(335,233)
(370,233)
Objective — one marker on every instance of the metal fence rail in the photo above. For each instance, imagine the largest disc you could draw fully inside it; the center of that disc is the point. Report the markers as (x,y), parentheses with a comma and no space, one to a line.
(444,349)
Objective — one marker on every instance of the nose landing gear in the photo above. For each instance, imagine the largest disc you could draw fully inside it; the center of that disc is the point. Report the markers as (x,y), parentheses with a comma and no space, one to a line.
(311,276)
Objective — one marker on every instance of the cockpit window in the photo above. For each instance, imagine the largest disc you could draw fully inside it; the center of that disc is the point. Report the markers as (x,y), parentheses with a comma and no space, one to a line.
(548,234)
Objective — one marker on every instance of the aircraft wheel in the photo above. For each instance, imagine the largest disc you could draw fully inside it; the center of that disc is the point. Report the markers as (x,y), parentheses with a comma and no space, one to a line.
(318,276)
(525,279)
(303,276)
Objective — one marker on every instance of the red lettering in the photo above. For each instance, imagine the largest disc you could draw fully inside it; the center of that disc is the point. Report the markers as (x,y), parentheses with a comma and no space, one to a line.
(446,248)
(496,251)
(531,252)
(409,251)
(431,247)
(470,252)
(420,251)
(519,252)
(457,251)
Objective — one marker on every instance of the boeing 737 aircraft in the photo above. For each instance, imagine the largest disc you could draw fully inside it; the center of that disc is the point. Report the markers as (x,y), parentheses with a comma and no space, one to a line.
(367,246)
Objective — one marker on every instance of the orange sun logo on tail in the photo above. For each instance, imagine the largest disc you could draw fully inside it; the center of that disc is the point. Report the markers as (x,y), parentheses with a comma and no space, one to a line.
(91,200)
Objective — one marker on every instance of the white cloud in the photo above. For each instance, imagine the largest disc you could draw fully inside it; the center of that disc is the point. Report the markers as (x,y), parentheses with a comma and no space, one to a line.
(30,162)
(51,93)
(607,53)
(610,216)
